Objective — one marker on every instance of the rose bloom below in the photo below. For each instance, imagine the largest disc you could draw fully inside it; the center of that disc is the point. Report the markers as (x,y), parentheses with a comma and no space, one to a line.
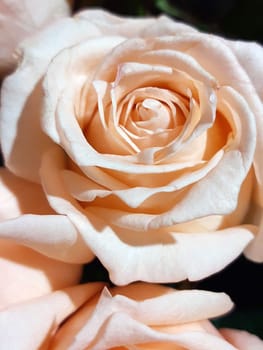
(145,138)
(138,316)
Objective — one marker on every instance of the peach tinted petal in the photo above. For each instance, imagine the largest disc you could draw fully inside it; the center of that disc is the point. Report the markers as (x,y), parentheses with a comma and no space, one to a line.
(110,24)
(135,333)
(20,19)
(249,56)
(232,63)
(149,255)
(26,274)
(165,257)
(52,235)
(18,196)
(254,251)
(242,340)
(23,149)
(36,321)
(77,64)
(164,26)
(133,316)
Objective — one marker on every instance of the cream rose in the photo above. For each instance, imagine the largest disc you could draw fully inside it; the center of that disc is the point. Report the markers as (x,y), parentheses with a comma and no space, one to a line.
(136,316)
(146,136)
(22,18)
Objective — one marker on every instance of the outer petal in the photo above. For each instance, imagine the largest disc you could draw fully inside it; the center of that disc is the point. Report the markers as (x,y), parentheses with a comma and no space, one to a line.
(153,256)
(165,257)
(235,64)
(249,56)
(145,314)
(24,272)
(52,235)
(18,196)
(254,251)
(19,19)
(110,24)
(242,339)
(21,147)
(30,325)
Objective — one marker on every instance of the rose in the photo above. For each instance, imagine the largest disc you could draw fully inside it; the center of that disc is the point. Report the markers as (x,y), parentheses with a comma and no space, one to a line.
(26,274)
(151,316)
(20,19)
(147,143)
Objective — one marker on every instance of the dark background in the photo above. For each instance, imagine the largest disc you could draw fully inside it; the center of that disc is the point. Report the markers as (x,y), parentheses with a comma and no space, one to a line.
(240,19)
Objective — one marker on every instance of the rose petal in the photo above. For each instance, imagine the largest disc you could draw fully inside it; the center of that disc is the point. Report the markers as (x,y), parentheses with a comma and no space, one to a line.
(249,55)
(20,19)
(18,196)
(242,339)
(164,257)
(109,24)
(254,250)
(77,64)
(222,59)
(136,333)
(86,190)
(35,321)
(31,220)
(155,256)
(164,26)
(26,274)
(96,324)
(22,149)
(52,235)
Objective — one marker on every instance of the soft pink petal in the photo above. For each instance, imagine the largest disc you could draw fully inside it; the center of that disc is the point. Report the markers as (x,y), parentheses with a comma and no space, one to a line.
(136,333)
(127,318)
(165,257)
(52,235)
(78,65)
(232,64)
(20,19)
(249,56)
(25,273)
(27,218)
(148,255)
(242,340)
(254,250)
(110,24)
(18,196)
(21,147)
(30,325)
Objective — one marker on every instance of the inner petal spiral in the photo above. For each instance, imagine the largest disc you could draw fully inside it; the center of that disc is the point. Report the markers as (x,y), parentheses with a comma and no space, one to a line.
(152,115)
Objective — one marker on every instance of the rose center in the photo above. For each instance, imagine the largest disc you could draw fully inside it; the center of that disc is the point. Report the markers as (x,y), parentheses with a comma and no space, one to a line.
(149,108)
(152,115)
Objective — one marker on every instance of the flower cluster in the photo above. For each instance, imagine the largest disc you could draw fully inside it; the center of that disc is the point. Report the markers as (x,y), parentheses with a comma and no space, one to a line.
(137,141)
